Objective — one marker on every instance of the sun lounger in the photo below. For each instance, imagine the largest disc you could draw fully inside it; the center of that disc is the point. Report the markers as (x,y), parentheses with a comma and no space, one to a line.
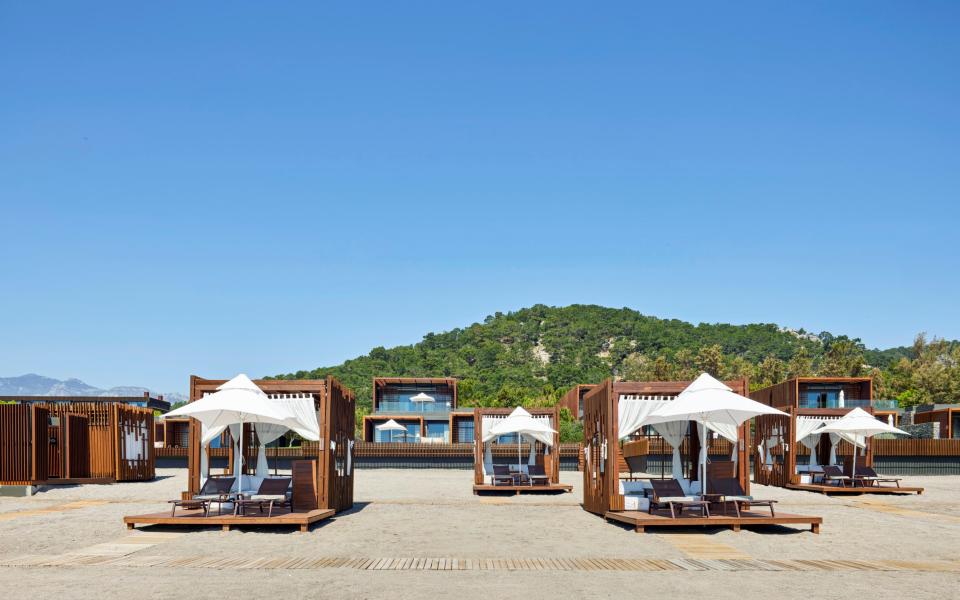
(730,490)
(537,475)
(215,489)
(272,492)
(667,492)
(833,474)
(866,475)
(501,475)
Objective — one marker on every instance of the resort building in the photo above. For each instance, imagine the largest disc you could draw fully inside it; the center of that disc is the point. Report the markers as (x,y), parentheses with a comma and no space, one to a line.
(947,415)
(416,410)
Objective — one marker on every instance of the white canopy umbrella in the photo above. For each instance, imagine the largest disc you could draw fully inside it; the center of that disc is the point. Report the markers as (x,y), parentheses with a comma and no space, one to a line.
(421,397)
(392,425)
(858,424)
(236,401)
(709,401)
(521,423)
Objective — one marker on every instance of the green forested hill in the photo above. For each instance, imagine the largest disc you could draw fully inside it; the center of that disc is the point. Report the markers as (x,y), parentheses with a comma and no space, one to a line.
(533,355)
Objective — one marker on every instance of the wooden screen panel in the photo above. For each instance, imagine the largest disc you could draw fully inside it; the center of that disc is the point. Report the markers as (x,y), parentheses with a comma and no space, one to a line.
(305,488)
(338,412)
(477,447)
(54,445)
(16,454)
(39,416)
(135,458)
(780,395)
(776,474)
(76,446)
(601,470)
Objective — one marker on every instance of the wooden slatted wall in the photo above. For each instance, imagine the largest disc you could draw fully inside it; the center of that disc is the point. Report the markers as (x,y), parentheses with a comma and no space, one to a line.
(76,439)
(601,471)
(97,449)
(16,444)
(70,441)
(916,447)
(776,474)
(339,423)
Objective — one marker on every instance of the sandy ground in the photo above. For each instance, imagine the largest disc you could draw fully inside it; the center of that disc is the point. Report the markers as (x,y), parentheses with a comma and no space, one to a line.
(433,513)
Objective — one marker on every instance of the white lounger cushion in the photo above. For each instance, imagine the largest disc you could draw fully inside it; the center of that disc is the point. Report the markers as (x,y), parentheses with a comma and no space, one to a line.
(678,499)
(634,487)
(635,502)
(268,497)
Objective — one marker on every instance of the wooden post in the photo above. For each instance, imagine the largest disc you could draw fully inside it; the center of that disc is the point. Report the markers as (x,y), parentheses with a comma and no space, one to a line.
(115,434)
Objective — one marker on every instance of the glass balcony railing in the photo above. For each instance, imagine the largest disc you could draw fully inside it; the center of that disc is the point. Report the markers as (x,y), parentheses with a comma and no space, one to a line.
(848,403)
(417,408)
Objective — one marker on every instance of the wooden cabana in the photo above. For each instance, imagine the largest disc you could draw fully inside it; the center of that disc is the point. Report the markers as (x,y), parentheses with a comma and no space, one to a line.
(779,445)
(321,487)
(75,443)
(485,455)
(173,432)
(573,399)
(603,490)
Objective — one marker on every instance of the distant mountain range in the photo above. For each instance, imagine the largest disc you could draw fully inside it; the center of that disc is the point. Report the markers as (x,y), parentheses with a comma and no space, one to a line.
(37,385)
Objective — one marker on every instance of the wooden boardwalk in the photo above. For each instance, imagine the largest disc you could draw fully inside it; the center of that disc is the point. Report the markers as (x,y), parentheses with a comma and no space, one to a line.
(411,563)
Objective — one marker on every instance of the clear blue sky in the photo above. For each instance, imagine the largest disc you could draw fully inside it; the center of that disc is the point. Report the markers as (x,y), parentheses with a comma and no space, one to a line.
(262,188)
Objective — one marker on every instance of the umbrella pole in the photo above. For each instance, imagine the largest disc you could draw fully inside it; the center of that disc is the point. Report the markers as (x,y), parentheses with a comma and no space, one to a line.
(703,452)
(240,459)
(853,467)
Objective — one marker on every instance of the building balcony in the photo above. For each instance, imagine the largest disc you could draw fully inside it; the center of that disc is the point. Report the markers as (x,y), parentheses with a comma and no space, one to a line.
(848,403)
(414,408)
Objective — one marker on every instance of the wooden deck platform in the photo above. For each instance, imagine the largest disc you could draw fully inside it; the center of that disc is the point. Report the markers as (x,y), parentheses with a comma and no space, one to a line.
(855,491)
(194,518)
(523,489)
(641,520)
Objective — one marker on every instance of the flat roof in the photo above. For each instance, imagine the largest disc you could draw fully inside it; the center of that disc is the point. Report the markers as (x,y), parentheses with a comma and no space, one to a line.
(415,380)
(150,402)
